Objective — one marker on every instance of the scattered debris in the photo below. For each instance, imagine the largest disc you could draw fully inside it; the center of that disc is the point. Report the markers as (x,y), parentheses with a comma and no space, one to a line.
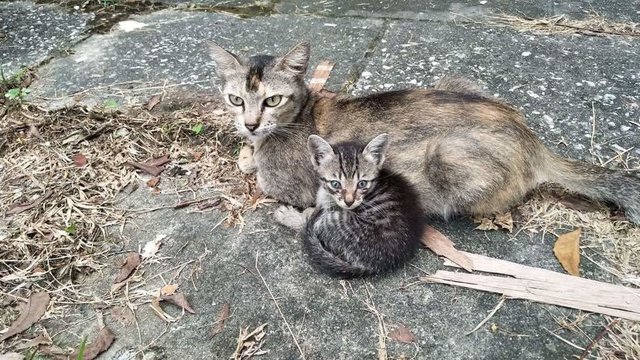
(293,336)
(153,101)
(152,247)
(505,221)
(567,250)
(79,160)
(321,75)
(222,317)
(486,224)
(17,209)
(35,342)
(35,308)
(593,26)
(155,306)
(99,345)
(402,334)
(443,246)
(11,356)
(250,343)
(153,182)
(123,315)
(180,300)
(544,286)
(491,313)
(131,262)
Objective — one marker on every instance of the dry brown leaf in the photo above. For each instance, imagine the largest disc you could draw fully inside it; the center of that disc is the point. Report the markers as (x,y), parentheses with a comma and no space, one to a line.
(153,181)
(169,289)
(37,341)
(505,221)
(54,351)
(11,356)
(130,264)
(159,161)
(36,307)
(486,225)
(402,334)
(101,343)
(180,300)
(197,155)
(250,343)
(153,170)
(567,250)
(223,315)
(18,208)
(155,306)
(123,315)
(79,160)
(153,101)
(443,246)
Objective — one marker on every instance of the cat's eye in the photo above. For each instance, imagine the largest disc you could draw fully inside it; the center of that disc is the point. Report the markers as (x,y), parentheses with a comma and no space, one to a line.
(335,184)
(273,101)
(362,184)
(236,100)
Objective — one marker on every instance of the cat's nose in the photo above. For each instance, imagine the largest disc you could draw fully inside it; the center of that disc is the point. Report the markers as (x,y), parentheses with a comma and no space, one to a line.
(251,127)
(349,201)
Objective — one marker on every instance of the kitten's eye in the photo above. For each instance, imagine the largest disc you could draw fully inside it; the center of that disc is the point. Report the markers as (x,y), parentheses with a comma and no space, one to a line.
(362,184)
(273,101)
(236,100)
(335,184)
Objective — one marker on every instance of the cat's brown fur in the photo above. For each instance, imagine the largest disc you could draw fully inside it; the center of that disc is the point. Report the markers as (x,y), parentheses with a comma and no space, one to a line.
(464,152)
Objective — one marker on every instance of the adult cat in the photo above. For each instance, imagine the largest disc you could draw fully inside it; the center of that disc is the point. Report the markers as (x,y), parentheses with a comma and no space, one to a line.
(464,152)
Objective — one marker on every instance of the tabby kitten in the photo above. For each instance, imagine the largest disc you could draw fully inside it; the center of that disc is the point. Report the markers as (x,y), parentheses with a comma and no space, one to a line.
(367,220)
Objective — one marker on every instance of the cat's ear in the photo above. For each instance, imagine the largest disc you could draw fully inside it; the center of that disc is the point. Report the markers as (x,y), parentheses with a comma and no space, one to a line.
(296,60)
(319,150)
(226,62)
(376,149)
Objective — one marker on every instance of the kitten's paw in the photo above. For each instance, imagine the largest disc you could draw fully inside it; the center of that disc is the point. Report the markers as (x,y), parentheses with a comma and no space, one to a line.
(245,160)
(289,217)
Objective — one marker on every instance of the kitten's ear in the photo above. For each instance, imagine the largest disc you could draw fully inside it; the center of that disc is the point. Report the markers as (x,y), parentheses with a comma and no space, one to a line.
(226,62)
(319,149)
(376,149)
(296,60)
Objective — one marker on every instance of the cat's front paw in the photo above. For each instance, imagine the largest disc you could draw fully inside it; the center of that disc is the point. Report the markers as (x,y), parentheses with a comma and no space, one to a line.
(289,217)
(245,160)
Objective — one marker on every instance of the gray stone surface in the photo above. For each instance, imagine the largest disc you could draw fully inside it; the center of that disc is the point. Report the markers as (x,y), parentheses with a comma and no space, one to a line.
(30,33)
(442,9)
(329,317)
(553,79)
(170,49)
(219,3)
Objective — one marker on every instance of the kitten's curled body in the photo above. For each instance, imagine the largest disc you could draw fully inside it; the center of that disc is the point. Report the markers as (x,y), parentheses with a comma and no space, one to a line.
(379,235)
(463,151)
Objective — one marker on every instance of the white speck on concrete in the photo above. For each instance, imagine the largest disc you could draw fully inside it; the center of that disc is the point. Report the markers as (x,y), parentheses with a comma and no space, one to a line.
(526,53)
(590,83)
(366,74)
(130,25)
(624,128)
(532,94)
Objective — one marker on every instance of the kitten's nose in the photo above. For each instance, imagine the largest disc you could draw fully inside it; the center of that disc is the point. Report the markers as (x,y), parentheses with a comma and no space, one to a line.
(348,201)
(251,127)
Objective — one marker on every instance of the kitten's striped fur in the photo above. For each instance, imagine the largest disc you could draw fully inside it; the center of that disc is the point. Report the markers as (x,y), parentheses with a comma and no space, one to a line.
(371,223)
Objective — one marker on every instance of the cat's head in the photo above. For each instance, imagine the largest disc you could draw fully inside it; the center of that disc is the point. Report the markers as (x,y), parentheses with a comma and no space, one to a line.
(265,93)
(347,171)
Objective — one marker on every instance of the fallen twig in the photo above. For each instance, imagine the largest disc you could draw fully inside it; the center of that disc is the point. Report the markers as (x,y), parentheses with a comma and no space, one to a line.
(295,340)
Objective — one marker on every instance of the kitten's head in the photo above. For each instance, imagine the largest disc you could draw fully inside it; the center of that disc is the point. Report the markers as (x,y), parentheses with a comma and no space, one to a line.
(265,93)
(347,171)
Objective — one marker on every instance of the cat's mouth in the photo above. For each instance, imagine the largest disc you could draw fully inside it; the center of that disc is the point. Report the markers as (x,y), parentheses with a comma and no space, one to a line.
(258,133)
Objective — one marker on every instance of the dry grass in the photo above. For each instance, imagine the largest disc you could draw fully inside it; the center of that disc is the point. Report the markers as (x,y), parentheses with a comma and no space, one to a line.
(595,25)
(50,246)
(608,243)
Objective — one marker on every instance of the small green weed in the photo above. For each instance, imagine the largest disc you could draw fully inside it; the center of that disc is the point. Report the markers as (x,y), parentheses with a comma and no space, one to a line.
(197,128)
